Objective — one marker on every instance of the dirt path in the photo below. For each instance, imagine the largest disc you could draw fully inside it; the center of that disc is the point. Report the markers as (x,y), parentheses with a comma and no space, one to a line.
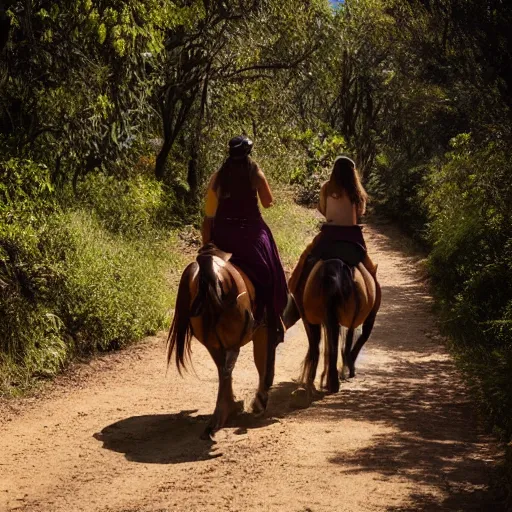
(120,435)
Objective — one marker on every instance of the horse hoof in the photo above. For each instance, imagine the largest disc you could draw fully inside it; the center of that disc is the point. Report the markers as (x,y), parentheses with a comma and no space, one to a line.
(333,387)
(301,399)
(238,407)
(259,405)
(344,373)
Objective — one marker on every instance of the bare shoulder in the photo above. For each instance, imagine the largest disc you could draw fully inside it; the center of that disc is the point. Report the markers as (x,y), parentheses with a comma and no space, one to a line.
(260,180)
(263,188)
(260,175)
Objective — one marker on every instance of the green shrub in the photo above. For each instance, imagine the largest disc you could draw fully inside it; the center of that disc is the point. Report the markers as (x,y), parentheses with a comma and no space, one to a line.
(25,186)
(471,265)
(397,190)
(115,291)
(31,338)
(471,230)
(128,206)
(78,280)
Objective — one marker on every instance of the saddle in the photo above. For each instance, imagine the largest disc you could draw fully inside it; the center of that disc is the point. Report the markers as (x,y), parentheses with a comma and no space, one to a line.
(350,253)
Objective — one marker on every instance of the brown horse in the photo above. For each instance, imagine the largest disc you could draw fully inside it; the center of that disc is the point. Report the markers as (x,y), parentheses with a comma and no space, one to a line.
(215,304)
(335,294)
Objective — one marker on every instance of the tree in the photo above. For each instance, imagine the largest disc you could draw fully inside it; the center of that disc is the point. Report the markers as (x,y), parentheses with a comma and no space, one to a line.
(76,83)
(237,41)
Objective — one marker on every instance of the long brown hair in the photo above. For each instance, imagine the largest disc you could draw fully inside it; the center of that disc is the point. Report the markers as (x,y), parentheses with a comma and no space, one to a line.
(345,180)
(235,172)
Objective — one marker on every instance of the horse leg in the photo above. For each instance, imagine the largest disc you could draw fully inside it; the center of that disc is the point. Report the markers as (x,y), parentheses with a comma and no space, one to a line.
(363,338)
(302,396)
(314,333)
(259,404)
(367,329)
(347,355)
(265,359)
(333,338)
(270,362)
(226,405)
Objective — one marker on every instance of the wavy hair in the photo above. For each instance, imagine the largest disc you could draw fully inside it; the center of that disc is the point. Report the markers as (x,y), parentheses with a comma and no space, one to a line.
(345,180)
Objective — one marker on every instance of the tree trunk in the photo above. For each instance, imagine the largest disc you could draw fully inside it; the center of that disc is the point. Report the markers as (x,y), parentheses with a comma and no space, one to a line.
(161,159)
(192,174)
(193,164)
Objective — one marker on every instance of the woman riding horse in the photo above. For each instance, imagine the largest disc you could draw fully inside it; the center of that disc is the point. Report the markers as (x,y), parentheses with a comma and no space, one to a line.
(236,290)
(342,200)
(334,282)
(234,224)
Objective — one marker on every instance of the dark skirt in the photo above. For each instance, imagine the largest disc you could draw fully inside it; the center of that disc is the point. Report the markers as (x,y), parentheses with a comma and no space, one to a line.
(255,252)
(341,242)
(334,233)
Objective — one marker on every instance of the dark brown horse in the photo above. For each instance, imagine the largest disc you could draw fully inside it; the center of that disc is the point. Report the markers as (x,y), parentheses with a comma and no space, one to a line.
(215,304)
(334,294)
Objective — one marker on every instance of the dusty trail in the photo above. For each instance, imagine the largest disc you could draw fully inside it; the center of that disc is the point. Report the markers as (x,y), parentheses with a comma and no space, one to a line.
(120,435)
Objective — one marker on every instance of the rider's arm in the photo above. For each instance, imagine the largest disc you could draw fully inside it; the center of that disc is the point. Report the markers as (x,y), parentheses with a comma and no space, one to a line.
(322,203)
(263,188)
(210,209)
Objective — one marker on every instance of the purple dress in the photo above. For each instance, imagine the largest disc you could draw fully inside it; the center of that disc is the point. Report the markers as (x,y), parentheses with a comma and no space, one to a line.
(238,228)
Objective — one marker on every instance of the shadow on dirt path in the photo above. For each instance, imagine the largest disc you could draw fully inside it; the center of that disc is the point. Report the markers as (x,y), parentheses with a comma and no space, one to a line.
(175,438)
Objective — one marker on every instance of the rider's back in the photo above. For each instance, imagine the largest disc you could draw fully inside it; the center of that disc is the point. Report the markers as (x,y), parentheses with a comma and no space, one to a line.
(238,198)
(337,207)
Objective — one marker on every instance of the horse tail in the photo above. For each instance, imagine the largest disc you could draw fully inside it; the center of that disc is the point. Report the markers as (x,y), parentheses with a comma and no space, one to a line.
(337,286)
(180,334)
(337,281)
(210,300)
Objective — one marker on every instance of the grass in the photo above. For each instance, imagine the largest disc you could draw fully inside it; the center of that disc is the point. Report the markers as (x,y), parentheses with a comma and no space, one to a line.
(293,226)
(104,291)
